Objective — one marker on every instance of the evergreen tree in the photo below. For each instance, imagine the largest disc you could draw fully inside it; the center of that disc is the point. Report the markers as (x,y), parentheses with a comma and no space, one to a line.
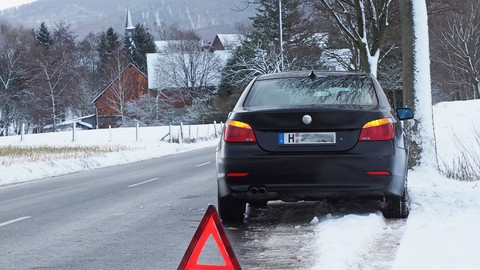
(138,45)
(111,56)
(109,42)
(265,24)
(300,47)
(43,36)
(113,39)
(260,52)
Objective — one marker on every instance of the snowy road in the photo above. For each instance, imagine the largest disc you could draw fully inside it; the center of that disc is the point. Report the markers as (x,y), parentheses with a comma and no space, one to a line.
(114,219)
(135,216)
(317,235)
(143,215)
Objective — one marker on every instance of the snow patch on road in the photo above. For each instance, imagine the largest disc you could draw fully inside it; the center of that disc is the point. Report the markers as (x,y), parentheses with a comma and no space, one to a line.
(341,241)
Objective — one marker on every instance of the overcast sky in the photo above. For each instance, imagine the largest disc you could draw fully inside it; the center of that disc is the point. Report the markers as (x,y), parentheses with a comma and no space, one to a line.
(12,3)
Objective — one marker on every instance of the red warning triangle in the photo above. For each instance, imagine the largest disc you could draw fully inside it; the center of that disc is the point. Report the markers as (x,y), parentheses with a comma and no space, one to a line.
(209,226)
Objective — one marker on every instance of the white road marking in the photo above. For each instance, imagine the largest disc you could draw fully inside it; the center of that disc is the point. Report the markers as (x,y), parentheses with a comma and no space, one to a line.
(144,182)
(203,164)
(13,221)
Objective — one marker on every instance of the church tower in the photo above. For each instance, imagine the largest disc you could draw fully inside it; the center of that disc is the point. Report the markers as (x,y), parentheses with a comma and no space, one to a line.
(129,28)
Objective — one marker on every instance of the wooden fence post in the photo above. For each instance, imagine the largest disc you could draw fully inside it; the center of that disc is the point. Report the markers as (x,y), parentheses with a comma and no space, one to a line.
(22,132)
(180,135)
(74,131)
(137,135)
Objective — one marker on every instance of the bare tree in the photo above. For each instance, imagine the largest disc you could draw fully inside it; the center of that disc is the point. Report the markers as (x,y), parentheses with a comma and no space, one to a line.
(89,62)
(49,84)
(146,110)
(458,50)
(363,25)
(15,42)
(187,76)
(116,99)
(53,76)
(242,67)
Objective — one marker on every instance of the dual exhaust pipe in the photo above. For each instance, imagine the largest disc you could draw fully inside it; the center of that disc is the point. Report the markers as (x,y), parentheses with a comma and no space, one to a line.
(257,191)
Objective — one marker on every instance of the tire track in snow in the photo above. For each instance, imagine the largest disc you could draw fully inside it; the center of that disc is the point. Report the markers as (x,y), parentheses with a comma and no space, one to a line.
(278,236)
(383,250)
(347,233)
(344,235)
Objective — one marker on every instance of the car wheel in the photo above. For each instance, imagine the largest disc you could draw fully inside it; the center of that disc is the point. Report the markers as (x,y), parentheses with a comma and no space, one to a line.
(231,209)
(397,206)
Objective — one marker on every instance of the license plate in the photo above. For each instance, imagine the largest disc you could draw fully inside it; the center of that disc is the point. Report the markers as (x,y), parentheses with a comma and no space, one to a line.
(307,138)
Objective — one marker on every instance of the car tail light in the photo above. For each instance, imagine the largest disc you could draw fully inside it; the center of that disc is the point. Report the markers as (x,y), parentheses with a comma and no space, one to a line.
(379,173)
(378,130)
(237,174)
(236,131)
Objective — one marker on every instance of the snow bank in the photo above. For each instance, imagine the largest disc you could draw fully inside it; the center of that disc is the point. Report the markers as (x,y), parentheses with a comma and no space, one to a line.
(457,131)
(149,144)
(341,241)
(443,230)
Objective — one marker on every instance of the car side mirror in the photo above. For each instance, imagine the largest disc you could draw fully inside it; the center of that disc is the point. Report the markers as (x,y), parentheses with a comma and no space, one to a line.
(404,113)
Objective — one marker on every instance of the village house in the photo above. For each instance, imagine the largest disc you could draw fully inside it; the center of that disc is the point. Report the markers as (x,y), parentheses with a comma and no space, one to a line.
(129,85)
(227,42)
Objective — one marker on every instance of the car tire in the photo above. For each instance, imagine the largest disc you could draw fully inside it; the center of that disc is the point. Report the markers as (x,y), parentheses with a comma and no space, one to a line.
(231,210)
(397,207)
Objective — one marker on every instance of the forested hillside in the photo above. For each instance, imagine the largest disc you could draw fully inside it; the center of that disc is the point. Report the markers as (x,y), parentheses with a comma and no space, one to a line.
(206,17)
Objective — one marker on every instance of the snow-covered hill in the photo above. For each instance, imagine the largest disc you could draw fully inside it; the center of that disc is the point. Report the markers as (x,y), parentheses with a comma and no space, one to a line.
(208,17)
(6,4)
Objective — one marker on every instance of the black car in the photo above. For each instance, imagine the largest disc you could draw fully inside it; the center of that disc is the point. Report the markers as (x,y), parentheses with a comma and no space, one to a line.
(311,135)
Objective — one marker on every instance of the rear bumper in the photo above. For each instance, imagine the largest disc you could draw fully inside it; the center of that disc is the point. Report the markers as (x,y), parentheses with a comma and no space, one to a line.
(312,176)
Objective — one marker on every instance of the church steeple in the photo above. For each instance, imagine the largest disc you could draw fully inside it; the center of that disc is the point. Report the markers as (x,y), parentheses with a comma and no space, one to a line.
(128,24)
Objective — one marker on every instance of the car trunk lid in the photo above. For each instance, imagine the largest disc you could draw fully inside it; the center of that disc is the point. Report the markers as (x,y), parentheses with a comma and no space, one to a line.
(308,129)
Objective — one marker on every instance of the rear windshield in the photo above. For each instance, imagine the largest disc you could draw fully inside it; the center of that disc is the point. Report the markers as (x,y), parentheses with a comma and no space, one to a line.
(353,90)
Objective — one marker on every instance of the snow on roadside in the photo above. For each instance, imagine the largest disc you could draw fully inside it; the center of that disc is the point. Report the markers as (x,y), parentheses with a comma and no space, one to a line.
(457,131)
(30,171)
(149,145)
(442,232)
(443,229)
(341,241)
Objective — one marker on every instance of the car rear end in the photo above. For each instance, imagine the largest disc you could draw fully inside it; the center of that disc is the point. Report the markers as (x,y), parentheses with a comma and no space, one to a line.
(310,137)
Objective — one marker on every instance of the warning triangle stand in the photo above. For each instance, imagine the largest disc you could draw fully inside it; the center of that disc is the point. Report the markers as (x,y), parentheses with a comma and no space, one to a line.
(209,226)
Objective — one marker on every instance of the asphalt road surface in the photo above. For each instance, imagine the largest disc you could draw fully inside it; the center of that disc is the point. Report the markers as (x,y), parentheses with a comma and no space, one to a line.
(135,216)
(143,215)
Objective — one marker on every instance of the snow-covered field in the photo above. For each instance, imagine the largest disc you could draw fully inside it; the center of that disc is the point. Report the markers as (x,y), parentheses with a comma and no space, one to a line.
(442,232)
(119,146)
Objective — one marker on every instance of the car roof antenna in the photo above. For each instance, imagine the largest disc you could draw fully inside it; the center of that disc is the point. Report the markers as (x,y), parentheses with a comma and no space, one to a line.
(312,75)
